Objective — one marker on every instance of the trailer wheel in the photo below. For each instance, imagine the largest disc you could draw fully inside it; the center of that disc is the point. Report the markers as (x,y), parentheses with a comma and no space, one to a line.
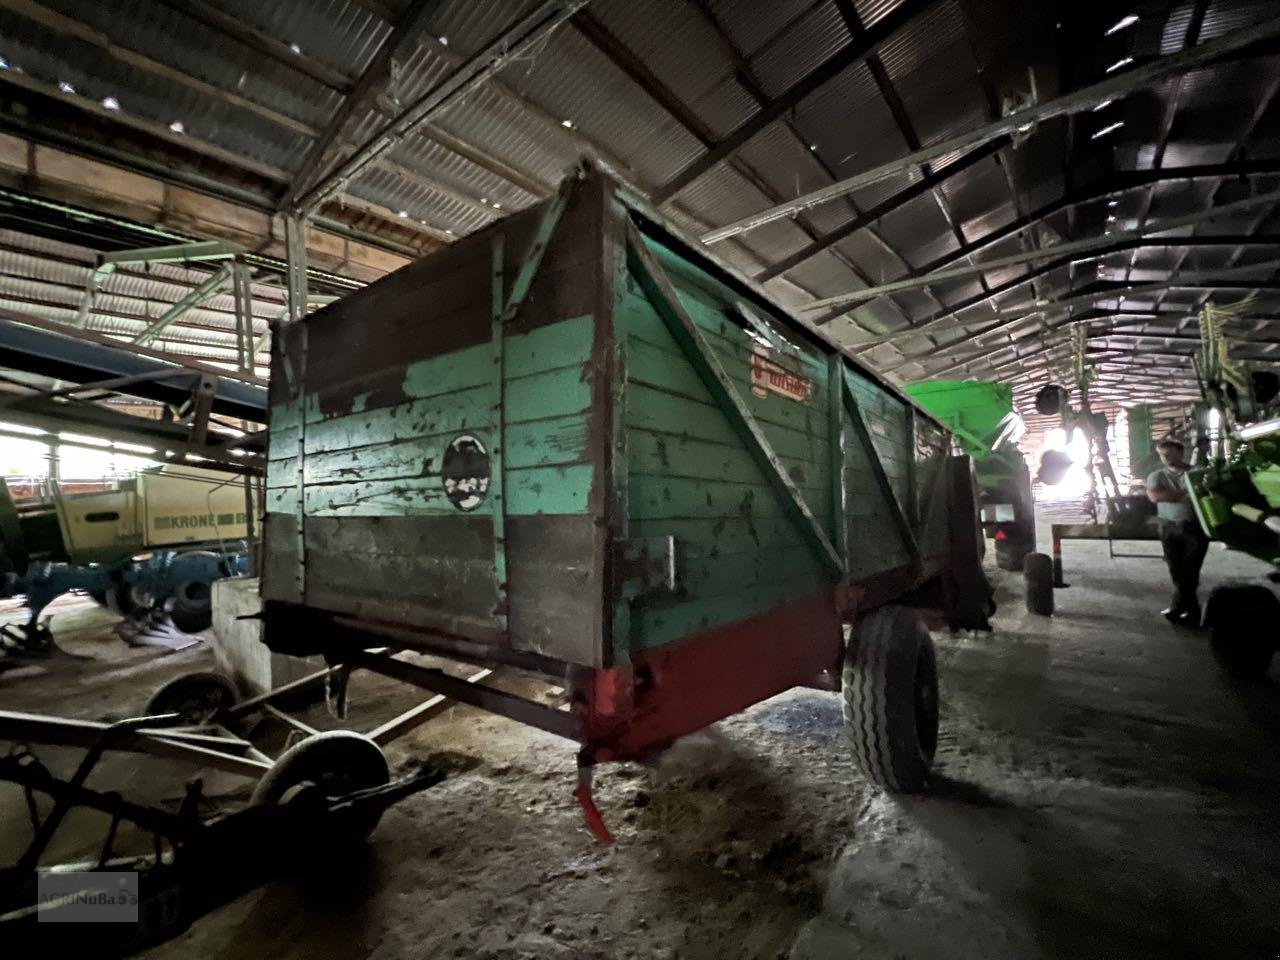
(1011,552)
(1242,621)
(192,609)
(329,764)
(197,697)
(890,693)
(1037,570)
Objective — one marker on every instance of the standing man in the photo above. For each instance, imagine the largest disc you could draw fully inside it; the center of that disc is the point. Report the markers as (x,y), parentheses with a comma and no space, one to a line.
(1185,544)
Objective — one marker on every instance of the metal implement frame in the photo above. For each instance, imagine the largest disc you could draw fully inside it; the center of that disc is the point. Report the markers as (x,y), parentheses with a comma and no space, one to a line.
(198,864)
(1094,531)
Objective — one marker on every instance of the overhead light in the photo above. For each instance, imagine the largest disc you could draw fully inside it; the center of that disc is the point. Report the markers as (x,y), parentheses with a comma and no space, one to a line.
(1122,62)
(111,103)
(448,231)
(66,87)
(444,41)
(485,201)
(403,214)
(1109,128)
(1113,203)
(295,48)
(1125,21)
(178,127)
(1111,217)
(497,205)
(567,124)
(1104,104)
(813,147)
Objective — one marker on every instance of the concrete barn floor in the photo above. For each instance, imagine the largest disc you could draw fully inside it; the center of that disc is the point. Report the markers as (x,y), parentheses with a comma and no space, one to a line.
(1102,791)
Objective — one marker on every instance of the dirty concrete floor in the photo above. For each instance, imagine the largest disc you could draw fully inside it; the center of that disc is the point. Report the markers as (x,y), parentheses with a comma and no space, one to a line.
(1101,791)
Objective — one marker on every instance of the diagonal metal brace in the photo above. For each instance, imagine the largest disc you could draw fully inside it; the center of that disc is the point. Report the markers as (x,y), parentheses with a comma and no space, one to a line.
(662,295)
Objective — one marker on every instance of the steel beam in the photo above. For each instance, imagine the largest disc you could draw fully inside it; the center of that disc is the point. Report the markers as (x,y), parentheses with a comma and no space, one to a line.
(1020,122)
(39,347)
(192,299)
(1214,280)
(397,48)
(865,219)
(514,42)
(295,241)
(243,297)
(1075,248)
(833,66)
(171,440)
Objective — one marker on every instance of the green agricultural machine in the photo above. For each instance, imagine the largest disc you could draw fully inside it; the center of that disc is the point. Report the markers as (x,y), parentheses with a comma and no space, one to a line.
(1235,489)
(981,417)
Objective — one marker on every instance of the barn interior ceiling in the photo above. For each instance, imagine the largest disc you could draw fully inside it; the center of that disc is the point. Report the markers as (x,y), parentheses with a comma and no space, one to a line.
(947,186)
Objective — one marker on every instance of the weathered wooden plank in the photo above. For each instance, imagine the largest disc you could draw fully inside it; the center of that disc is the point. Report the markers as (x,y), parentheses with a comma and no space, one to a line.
(664,371)
(531,490)
(539,443)
(466,535)
(553,586)
(659,454)
(651,409)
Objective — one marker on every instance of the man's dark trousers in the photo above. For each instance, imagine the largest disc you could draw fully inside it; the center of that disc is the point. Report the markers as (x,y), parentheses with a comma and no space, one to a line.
(1184,548)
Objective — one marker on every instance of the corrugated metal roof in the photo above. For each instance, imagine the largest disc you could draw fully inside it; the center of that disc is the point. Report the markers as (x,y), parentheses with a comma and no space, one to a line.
(251,105)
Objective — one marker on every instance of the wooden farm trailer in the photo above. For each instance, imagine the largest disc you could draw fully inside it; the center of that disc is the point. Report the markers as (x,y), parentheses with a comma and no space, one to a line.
(576,443)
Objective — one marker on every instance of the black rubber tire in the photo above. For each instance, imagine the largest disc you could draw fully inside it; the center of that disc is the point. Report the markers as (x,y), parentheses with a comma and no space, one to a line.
(197,697)
(192,608)
(1242,626)
(1037,570)
(889,689)
(1011,552)
(336,762)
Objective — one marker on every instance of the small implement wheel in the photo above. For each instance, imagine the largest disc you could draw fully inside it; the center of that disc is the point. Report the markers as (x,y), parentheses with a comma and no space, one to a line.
(890,691)
(1242,623)
(197,697)
(1037,570)
(326,765)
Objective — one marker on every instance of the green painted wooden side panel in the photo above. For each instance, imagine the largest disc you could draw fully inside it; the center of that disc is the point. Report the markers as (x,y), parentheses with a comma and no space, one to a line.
(689,476)
(387,461)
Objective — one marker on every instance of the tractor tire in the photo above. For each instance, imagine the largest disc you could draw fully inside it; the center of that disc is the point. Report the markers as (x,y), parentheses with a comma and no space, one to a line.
(326,765)
(192,609)
(1242,622)
(889,689)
